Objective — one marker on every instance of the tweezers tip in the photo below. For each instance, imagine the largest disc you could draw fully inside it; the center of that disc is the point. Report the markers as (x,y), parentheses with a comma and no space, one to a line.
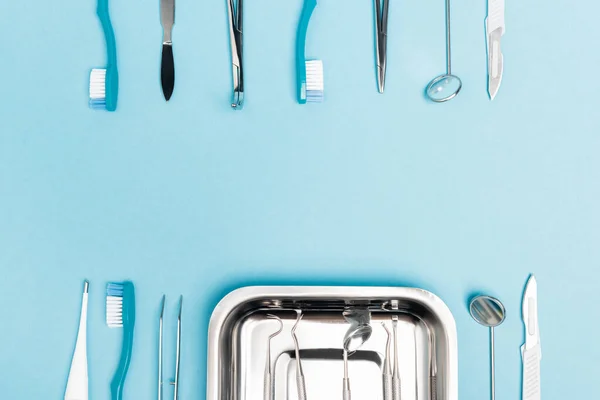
(162,307)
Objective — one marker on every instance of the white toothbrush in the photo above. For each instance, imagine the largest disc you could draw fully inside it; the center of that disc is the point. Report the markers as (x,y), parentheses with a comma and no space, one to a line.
(77,384)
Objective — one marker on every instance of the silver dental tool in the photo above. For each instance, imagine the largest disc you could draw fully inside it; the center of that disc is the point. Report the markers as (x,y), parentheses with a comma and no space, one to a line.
(489,312)
(235,11)
(299,373)
(175,381)
(432,366)
(387,367)
(381,28)
(396,390)
(357,334)
(446,86)
(268,388)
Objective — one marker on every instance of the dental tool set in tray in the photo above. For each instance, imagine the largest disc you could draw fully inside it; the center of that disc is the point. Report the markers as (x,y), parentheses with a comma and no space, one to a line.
(322,343)
(319,343)
(104,82)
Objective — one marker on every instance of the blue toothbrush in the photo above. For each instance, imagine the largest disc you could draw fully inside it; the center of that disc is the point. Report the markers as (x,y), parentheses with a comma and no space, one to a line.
(120,313)
(309,73)
(104,82)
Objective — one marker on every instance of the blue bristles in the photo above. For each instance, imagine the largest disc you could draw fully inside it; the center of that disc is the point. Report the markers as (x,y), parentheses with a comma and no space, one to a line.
(114,289)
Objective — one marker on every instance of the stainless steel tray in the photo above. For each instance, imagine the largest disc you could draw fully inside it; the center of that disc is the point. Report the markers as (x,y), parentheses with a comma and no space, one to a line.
(239,328)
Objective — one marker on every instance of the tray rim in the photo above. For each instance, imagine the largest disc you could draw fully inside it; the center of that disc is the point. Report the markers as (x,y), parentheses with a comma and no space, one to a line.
(249,293)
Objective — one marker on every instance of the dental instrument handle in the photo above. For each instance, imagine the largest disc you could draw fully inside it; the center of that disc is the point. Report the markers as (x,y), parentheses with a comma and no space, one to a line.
(267,395)
(448,50)
(433,388)
(493,363)
(301,387)
(396,388)
(346,393)
(387,387)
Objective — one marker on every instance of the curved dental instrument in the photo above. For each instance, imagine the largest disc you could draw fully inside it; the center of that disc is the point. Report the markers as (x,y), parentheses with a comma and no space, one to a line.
(268,383)
(299,373)
(396,392)
(387,367)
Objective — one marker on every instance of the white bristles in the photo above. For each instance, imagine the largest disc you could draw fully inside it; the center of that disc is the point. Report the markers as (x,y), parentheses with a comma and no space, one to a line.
(97,84)
(114,311)
(314,81)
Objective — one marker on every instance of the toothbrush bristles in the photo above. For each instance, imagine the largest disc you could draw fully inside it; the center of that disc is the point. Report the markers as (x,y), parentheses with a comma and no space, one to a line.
(114,305)
(98,89)
(314,81)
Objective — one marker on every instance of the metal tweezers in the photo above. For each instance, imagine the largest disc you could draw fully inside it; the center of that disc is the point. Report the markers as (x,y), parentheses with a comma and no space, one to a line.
(175,381)
(381,27)
(235,38)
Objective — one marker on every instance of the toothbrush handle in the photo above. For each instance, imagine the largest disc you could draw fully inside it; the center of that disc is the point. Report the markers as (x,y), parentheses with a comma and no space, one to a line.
(307,10)
(109,34)
(112,74)
(118,381)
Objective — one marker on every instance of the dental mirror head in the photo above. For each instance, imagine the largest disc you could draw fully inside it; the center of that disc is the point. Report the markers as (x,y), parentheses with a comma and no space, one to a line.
(487,311)
(356,337)
(443,88)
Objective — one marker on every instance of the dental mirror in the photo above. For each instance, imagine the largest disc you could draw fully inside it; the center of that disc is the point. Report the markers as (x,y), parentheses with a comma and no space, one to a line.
(359,332)
(489,312)
(356,337)
(445,87)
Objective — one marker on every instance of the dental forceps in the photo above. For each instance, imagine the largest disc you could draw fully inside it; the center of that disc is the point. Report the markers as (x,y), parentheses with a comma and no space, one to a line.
(381,28)
(235,11)
(175,381)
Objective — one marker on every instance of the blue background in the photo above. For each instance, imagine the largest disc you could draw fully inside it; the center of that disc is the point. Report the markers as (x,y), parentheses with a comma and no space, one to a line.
(193,198)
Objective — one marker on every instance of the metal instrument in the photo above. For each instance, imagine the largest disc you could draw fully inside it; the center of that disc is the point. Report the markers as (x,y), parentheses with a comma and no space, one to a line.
(494,27)
(489,311)
(387,367)
(239,327)
(175,381)
(396,392)
(432,366)
(359,332)
(299,373)
(268,381)
(446,86)
(167,69)
(235,12)
(381,28)
(531,351)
